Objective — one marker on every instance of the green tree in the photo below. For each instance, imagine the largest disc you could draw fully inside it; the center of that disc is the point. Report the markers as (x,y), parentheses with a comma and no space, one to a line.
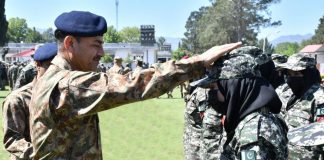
(112,36)
(236,20)
(106,58)
(268,47)
(130,34)
(179,53)
(3,24)
(160,42)
(48,35)
(318,38)
(17,29)
(33,36)
(191,42)
(287,48)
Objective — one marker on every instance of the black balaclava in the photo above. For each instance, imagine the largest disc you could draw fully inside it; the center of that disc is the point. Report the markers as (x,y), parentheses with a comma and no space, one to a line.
(299,85)
(244,96)
(269,72)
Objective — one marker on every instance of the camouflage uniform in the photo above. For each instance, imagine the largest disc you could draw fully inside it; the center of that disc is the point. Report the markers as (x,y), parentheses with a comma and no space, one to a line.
(260,133)
(26,75)
(64,104)
(212,134)
(16,123)
(307,109)
(12,75)
(258,136)
(192,137)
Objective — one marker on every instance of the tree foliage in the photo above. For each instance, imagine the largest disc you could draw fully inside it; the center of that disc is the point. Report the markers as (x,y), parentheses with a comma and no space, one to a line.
(287,48)
(190,42)
(48,35)
(17,30)
(318,38)
(33,36)
(266,45)
(226,22)
(112,36)
(3,24)
(106,58)
(160,42)
(179,53)
(130,34)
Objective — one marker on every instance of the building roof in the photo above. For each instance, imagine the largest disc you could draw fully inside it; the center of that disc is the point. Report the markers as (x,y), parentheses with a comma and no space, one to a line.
(313,48)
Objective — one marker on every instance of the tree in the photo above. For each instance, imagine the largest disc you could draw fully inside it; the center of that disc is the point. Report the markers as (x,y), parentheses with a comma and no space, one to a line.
(130,34)
(33,36)
(112,36)
(3,24)
(268,48)
(179,53)
(190,42)
(287,48)
(318,38)
(48,35)
(160,42)
(231,21)
(17,30)
(106,58)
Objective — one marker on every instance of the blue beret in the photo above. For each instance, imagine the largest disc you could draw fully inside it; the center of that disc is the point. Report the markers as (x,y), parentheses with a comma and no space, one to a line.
(81,23)
(46,52)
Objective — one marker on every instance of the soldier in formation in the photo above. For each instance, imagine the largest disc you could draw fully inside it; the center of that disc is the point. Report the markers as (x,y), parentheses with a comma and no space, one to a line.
(15,109)
(304,101)
(117,67)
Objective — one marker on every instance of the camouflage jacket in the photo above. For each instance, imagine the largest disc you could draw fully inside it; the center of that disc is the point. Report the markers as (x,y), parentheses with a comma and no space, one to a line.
(260,135)
(308,109)
(16,123)
(26,75)
(192,136)
(12,75)
(64,104)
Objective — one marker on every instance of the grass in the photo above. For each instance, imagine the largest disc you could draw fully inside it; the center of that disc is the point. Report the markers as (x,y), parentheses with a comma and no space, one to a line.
(147,130)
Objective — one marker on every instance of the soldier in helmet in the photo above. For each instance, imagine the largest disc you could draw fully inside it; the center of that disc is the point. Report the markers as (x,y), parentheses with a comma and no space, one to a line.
(306,102)
(249,104)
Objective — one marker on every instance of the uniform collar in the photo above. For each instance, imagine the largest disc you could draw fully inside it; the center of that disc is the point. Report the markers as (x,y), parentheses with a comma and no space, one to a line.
(61,62)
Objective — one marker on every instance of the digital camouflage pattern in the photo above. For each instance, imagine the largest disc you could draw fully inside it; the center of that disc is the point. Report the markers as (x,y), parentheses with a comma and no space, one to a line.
(259,135)
(239,63)
(298,62)
(26,75)
(307,135)
(306,110)
(212,134)
(16,123)
(192,136)
(284,93)
(65,103)
(278,59)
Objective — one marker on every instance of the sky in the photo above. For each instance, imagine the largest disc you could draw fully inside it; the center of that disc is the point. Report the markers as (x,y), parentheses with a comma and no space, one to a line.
(168,16)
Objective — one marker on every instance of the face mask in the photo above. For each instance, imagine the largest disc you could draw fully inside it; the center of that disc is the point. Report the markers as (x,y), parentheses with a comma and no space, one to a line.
(296,84)
(213,100)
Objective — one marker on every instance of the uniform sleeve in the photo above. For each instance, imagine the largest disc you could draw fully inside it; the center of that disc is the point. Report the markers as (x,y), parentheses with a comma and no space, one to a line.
(14,126)
(84,93)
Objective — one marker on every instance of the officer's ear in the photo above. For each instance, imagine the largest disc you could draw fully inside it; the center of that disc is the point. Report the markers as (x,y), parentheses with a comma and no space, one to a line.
(69,42)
